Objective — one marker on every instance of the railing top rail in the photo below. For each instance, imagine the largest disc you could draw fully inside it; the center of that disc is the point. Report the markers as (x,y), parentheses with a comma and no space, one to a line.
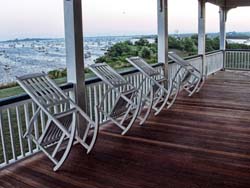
(237,50)
(214,52)
(24,97)
(128,71)
(93,80)
(187,58)
(192,57)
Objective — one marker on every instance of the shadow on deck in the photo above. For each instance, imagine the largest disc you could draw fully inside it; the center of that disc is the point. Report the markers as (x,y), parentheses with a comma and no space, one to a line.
(202,141)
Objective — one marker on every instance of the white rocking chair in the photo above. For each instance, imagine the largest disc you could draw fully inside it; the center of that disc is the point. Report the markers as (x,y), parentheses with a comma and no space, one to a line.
(159,96)
(127,104)
(191,78)
(61,112)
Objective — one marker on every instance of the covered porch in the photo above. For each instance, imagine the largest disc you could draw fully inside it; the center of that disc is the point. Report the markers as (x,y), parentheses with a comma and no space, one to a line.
(203,141)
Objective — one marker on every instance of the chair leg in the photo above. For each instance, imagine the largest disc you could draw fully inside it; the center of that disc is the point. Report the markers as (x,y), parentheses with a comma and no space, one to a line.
(167,100)
(149,107)
(174,97)
(135,114)
(160,94)
(58,145)
(202,82)
(163,105)
(95,134)
(94,138)
(193,90)
(68,148)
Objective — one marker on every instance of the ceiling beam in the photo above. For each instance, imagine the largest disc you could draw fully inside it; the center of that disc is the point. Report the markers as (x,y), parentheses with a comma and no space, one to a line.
(230,3)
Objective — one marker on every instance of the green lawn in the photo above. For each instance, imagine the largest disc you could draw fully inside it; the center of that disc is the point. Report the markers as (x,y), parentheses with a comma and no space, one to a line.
(10,92)
(17,90)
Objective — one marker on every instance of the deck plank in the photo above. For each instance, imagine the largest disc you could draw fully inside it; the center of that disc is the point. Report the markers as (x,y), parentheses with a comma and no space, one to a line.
(201,142)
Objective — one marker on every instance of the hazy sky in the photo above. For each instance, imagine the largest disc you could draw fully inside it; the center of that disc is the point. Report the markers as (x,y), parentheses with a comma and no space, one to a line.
(44,18)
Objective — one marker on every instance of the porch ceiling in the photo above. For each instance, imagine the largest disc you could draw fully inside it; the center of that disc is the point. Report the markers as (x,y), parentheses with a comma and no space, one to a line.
(230,3)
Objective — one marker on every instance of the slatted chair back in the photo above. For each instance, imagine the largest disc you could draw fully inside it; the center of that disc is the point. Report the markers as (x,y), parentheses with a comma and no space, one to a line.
(181,61)
(125,108)
(143,66)
(156,77)
(192,79)
(162,96)
(42,90)
(108,75)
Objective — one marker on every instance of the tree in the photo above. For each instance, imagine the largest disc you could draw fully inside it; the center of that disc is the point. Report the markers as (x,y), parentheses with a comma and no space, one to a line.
(174,43)
(142,42)
(189,46)
(195,39)
(212,44)
(128,42)
(237,46)
(119,49)
(145,52)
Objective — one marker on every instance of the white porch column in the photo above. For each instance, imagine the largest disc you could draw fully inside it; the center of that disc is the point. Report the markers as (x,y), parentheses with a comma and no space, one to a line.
(74,49)
(223,15)
(162,12)
(202,34)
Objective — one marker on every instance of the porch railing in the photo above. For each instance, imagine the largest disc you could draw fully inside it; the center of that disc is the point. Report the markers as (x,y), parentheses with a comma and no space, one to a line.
(96,89)
(214,61)
(15,112)
(237,59)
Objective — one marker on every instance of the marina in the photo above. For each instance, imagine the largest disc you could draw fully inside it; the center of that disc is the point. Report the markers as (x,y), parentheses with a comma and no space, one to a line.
(19,57)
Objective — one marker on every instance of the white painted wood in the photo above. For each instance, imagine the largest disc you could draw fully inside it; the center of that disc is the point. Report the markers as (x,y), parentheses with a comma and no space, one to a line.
(34,108)
(99,97)
(163,97)
(223,18)
(125,107)
(27,119)
(74,52)
(162,12)
(12,139)
(60,126)
(190,77)
(201,26)
(237,60)
(90,97)
(96,103)
(214,62)
(223,15)
(42,116)
(3,140)
(202,33)
(20,131)
(21,110)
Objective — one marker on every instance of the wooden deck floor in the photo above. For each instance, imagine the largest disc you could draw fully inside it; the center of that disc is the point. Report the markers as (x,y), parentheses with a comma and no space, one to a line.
(203,141)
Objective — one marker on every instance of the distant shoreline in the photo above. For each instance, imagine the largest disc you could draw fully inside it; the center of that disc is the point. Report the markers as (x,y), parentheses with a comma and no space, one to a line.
(230,35)
(87,37)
